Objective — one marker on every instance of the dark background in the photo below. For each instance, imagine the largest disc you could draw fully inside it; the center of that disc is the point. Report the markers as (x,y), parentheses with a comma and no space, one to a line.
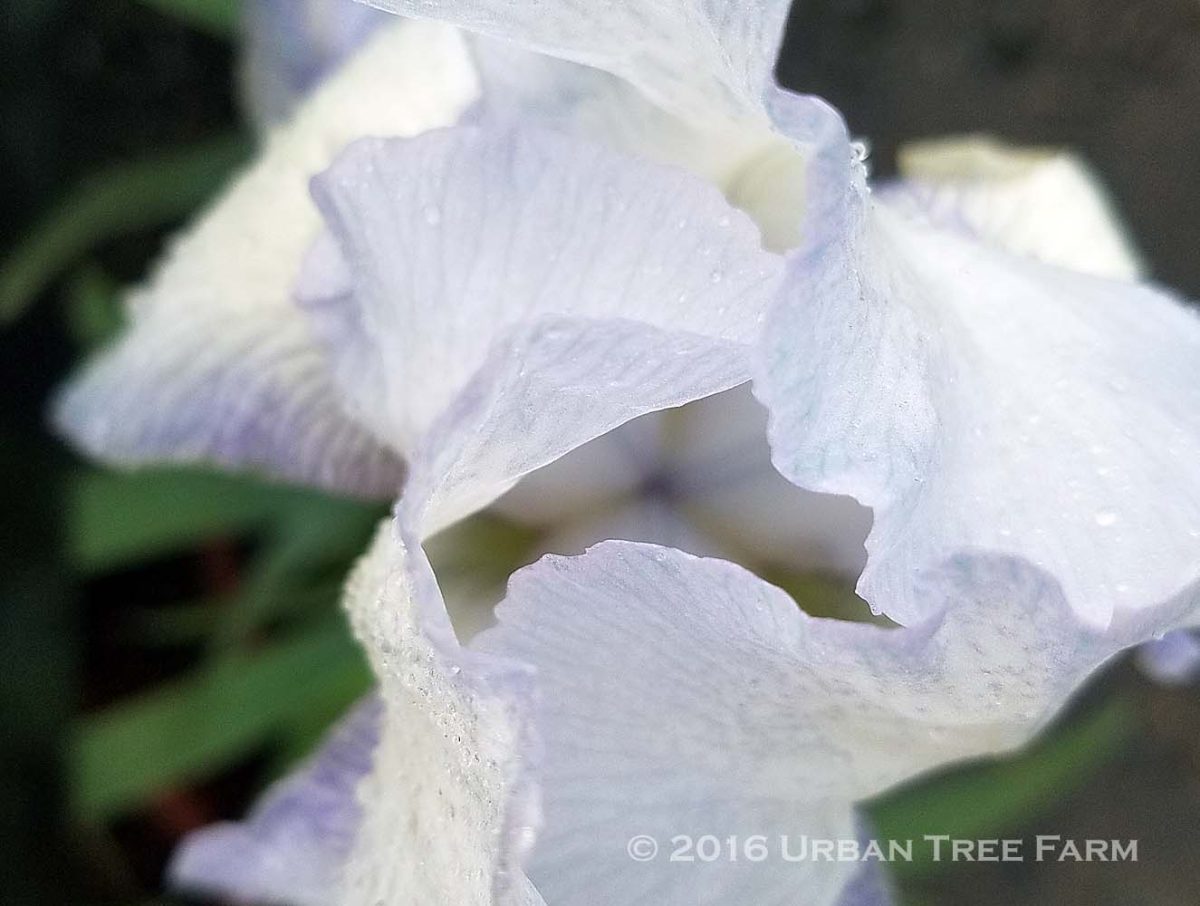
(84,85)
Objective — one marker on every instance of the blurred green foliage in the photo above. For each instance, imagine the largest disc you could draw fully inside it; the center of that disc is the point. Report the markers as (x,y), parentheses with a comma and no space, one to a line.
(188,730)
(217,17)
(126,198)
(246,694)
(996,797)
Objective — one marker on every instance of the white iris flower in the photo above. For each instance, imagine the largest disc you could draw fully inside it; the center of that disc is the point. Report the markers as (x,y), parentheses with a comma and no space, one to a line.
(628,216)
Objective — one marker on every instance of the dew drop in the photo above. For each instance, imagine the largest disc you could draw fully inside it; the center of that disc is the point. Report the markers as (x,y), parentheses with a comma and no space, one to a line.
(432,215)
(1105,518)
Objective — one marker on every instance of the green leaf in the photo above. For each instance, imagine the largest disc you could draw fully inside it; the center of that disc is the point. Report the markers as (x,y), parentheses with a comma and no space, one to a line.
(173,624)
(116,519)
(984,801)
(315,544)
(93,307)
(190,729)
(122,199)
(217,17)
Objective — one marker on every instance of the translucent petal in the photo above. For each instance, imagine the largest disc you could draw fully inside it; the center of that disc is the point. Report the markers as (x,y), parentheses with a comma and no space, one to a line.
(708,463)
(451,807)
(1039,202)
(550,392)
(292,847)
(687,697)
(759,171)
(548,291)
(219,306)
(699,58)
(982,401)
(611,467)
(729,487)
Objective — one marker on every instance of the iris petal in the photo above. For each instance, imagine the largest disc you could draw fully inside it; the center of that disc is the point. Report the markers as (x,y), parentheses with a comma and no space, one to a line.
(527,292)
(979,400)
(292,847)
(451,803)
(1039,202)
(687,697)
(216,343)
(699,58)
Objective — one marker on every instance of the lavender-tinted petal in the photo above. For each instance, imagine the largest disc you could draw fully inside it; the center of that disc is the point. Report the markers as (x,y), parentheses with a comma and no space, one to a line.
(216,343)
(982,401)
(684,696)
(548,291)
(292,847)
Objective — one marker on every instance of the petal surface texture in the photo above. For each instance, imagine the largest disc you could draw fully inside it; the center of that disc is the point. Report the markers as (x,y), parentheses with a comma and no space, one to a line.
(216,344)
(683,696)
(527,292)
(980,400)
(448,809)
(759,171)
(292,847)
(491,298)
(700,58)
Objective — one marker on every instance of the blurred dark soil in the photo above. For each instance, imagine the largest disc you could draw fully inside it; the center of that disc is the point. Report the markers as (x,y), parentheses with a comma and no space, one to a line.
(1117,80)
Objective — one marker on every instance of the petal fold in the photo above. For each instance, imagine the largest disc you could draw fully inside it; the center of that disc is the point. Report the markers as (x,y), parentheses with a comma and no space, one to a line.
(684,696)
(451,806)
(699,58)
(217,316)
(759,171)
(979,400)
(527,292)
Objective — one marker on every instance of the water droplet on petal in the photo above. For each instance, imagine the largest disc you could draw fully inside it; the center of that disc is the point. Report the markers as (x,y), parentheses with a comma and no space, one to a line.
(1105,518)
